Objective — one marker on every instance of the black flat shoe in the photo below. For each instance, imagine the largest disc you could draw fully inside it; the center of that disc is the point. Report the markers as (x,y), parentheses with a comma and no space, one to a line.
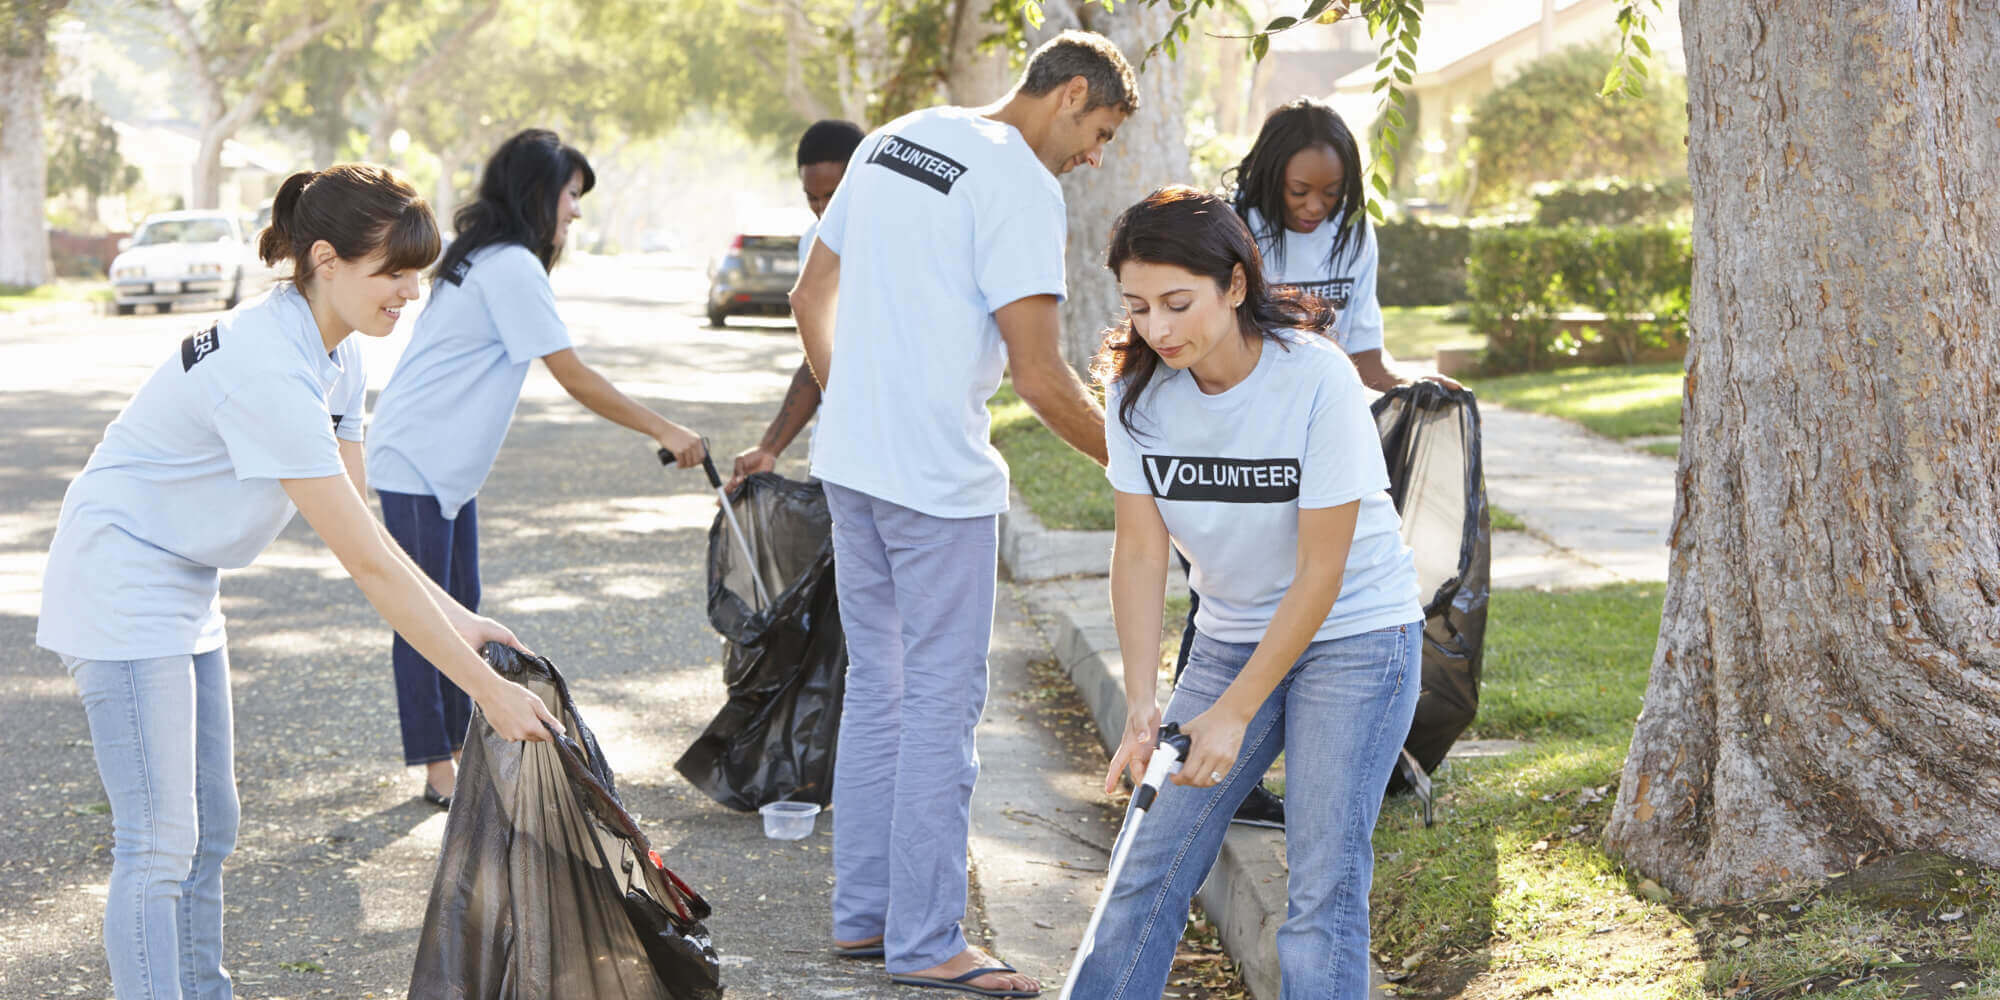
(436,798)
(1262,807)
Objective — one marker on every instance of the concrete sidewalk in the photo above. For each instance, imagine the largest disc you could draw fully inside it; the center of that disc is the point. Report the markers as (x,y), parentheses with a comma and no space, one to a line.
(1595,512)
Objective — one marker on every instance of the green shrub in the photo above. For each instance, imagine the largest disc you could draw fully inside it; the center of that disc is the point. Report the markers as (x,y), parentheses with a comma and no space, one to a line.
(1521,279)
(1421,264)
(1612,203)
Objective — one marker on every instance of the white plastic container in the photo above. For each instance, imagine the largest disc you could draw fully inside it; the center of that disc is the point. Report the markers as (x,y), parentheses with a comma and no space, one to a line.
(789,820)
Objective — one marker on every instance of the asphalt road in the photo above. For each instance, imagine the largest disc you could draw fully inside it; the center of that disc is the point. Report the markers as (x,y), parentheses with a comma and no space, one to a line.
(591,552)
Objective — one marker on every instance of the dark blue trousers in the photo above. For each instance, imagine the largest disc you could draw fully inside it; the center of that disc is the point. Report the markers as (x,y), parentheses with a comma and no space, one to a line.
(433,710)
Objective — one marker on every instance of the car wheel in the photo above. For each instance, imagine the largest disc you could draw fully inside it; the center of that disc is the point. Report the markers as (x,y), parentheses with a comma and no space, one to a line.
(125,308)
(718,318)
(235,293)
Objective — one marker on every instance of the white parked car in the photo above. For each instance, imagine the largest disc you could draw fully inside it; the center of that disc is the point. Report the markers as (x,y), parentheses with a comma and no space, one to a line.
(186,257)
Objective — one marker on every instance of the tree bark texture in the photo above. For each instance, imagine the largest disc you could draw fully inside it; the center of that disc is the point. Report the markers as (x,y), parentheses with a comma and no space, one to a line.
(24,243)
(1149,151)
(1827,680)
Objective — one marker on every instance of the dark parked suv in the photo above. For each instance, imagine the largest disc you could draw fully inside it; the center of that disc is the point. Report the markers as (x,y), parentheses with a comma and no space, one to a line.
(754,278)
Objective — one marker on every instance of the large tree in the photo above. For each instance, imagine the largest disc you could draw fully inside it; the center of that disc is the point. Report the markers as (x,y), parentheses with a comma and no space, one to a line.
(24,53)
(1149,151)
(1827,681)
(238,52)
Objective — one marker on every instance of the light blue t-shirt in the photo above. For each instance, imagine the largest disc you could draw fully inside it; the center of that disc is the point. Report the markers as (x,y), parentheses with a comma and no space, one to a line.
(439,422)
(1348,283)
(943,217)
(185,482)
(1230,472)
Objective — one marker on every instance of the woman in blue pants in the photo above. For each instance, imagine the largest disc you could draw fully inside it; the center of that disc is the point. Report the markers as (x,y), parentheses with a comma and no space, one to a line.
(439,423)
(249,421)
(1242,437)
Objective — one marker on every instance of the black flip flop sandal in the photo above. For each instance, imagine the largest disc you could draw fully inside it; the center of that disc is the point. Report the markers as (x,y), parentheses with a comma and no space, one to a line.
(963,984)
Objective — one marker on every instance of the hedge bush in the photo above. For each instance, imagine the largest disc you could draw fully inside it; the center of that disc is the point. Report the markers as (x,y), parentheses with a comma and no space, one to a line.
(1421,264)
(1522,279)
(1614,203)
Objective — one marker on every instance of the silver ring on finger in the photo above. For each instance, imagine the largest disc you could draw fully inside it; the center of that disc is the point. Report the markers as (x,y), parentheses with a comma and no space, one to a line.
(1215,777)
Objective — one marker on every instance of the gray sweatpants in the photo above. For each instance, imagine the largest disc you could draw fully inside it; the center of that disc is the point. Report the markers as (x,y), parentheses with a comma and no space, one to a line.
(916,601)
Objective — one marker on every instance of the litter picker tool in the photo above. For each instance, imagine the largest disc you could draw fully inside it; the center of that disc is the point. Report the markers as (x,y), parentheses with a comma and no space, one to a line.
(1167,758)
(728,514)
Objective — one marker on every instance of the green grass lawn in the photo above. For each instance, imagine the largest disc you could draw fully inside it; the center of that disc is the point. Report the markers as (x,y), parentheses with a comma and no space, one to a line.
(1620,401)
(1414,333)
(1066,490)
(1509,896)
(14,298)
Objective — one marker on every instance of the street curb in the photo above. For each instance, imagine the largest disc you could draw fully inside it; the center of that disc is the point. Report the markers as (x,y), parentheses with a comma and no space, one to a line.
(1244,894)
(1032,551)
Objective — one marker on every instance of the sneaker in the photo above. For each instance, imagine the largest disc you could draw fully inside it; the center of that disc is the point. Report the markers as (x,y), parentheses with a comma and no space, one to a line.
(1263,808)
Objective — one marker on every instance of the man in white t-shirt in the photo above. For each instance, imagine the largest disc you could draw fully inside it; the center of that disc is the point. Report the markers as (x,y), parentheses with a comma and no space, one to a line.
(938,264)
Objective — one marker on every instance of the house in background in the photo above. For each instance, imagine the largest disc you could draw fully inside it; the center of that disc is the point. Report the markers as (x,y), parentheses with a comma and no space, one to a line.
(165,154)
(1471,48)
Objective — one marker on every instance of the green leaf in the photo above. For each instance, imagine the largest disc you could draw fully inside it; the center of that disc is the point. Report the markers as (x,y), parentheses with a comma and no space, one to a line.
(1381,85)
(1375,210)
(1396,115)
(1612,81)
(1381,185)
(1260,45)
(1634,88)
(1317,8)
(1645,48)
(1408,59)
(1384,63)
(1280,24)
(1402,75)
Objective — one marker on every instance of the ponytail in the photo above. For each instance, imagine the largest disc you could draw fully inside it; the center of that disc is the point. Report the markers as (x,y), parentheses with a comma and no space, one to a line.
(274,246)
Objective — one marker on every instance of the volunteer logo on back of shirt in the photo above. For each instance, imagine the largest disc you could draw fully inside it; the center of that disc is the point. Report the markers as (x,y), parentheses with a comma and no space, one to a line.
(198,346)
(918,163)
(1223,480)
(1334,291)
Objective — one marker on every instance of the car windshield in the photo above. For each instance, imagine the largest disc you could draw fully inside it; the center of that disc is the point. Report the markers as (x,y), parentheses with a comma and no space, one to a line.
(183,231)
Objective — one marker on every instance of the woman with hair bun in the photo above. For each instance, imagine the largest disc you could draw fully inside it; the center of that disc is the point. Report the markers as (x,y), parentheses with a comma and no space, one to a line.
(245,422)
(441,419)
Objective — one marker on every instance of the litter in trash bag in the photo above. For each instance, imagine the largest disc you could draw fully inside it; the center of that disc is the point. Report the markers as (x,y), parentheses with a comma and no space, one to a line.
(785,662)
(545,888)
(1430,439)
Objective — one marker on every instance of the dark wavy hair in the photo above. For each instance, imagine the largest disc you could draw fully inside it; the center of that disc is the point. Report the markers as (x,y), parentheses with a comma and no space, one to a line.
(1259,181)
(358,209)
(1199,233)
(519,192)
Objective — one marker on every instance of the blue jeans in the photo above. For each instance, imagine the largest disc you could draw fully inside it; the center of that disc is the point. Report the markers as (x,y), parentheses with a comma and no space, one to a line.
(432,709)
(1339,716)
(916,602)
(163,733)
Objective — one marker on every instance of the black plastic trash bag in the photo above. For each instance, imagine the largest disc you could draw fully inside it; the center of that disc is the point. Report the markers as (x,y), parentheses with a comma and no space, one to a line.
(785,663)
(1430,438)
(545,888)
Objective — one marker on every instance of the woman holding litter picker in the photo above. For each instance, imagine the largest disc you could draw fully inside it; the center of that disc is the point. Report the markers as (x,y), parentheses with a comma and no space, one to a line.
(255,417)
(440,421)
(1240,434)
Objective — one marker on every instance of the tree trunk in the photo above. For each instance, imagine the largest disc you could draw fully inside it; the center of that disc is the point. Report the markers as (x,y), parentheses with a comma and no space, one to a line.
(1827,681)
(973,78)
(207,188)
(24,242)
(1150,151)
